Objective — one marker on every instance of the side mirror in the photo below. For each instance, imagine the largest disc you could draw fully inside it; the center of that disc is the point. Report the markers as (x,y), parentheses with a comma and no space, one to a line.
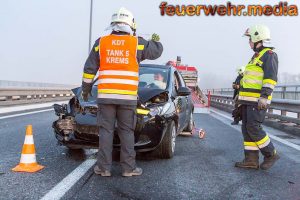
(183,91)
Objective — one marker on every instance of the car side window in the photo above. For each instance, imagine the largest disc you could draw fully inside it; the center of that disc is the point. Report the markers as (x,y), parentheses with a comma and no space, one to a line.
(182,82)
(176,81)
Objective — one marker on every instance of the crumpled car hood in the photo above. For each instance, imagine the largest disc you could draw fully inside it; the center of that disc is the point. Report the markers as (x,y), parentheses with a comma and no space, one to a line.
(145,94)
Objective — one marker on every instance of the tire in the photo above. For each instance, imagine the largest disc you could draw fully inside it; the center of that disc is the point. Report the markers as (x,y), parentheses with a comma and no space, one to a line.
(166,148)
(190,124)
(70,147)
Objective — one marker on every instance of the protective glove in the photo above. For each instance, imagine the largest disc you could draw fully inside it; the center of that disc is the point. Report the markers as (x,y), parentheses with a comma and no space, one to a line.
(85,95)
(262,103)
(155,37)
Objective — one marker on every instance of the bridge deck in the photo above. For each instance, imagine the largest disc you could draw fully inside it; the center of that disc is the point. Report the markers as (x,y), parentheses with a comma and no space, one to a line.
(200,169)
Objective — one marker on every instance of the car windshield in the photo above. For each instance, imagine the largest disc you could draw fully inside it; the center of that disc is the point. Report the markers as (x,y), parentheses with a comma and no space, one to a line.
(153,77)
(149,77)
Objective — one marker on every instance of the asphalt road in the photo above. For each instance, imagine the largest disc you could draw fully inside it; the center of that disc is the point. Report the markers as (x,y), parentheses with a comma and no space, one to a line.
(200,169)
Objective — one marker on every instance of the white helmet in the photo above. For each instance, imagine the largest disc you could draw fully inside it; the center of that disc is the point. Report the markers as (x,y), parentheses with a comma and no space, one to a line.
(240,70)
(259,33)
(124,16)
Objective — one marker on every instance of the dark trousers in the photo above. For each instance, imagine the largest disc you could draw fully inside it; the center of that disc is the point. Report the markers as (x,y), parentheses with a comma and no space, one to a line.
(255,138)
(236,113)
(125,116)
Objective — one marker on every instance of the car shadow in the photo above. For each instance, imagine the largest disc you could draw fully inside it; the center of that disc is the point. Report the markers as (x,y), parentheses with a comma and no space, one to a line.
(76,154)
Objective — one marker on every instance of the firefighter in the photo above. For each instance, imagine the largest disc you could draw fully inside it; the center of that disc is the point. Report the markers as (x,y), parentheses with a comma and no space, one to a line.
(117,56)
(236,87)
(255,95)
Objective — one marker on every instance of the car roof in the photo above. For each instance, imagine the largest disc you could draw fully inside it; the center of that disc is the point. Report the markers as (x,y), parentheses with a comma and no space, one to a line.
(156,66)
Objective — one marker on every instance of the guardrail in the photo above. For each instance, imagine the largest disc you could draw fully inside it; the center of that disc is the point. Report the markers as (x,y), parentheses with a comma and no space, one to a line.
(19,96)
(280,92)
(283,114)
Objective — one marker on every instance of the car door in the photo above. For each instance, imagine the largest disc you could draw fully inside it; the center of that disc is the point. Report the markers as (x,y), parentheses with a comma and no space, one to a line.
(180,102)
(187,100)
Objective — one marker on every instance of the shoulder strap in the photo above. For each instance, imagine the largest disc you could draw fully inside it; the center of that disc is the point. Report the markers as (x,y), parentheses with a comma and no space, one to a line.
(261,53)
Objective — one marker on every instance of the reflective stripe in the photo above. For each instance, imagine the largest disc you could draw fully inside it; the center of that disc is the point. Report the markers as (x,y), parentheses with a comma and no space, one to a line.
(116,96)
(123,81)
(142,111)
(270,81)
(135,78)
(251,148)
(253,99)
(262,141)
(264,144)
(259,144)
(252,81)
(113,91)
(253,73)
(118,72)
(250,94)
(28,158)
(253,144)
(87,80)
(89,76)
(140,47)
(28,139)
(268,85)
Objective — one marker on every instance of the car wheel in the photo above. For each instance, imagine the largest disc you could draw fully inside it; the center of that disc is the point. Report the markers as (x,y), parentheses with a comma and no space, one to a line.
(190,124)
(70,147)
(167,147)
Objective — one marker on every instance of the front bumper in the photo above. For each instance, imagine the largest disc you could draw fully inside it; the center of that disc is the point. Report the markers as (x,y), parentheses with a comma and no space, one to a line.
(148,133)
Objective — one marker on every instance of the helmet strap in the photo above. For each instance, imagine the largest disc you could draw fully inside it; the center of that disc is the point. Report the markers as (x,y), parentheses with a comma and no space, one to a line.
(134,29)
(256,44)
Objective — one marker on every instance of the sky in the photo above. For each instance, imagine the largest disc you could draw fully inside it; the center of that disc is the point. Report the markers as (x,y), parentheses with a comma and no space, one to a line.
(47,41)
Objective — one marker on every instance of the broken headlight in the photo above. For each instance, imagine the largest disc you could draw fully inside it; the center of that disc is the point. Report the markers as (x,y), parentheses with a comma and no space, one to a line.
(159,110)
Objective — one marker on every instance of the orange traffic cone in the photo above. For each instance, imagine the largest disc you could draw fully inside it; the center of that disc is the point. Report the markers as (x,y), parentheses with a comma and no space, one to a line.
(28,159)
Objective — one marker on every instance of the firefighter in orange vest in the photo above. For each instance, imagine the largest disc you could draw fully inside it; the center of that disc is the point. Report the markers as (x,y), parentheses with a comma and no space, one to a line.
(117,57)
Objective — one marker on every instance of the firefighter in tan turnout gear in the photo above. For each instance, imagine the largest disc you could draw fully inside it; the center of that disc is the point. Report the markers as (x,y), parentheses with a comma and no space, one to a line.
(255,96)
(116,57)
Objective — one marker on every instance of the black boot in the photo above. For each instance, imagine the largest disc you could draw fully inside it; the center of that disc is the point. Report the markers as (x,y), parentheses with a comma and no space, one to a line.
(251,160)
(269,161)
(235,123)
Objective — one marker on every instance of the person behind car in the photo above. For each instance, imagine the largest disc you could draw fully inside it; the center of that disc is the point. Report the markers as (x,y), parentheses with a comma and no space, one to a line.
(159,80)
(236,86)
(116,57)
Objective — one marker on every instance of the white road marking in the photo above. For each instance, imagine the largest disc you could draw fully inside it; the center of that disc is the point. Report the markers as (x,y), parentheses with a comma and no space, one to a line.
(290,144)
(66,184)
(201,110)
(27,113)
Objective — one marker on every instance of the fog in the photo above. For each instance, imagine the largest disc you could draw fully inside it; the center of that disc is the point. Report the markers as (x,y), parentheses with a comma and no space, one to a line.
(47,41)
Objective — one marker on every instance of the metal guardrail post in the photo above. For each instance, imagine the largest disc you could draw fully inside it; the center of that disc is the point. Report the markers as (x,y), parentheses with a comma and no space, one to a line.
(283,92)
(283,113)
(209,99)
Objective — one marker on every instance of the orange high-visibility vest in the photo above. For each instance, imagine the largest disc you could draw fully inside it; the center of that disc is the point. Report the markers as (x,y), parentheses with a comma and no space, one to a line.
(119,69)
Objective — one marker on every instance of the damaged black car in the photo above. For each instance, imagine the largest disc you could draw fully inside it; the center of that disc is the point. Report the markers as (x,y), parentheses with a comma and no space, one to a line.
(164,110)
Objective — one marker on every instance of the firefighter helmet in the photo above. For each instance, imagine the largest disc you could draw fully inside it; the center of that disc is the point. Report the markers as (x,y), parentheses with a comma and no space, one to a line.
(258,33)
(123,16)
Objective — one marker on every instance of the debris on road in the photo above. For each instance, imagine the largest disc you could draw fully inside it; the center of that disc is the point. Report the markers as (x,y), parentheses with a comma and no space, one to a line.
(200,132)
